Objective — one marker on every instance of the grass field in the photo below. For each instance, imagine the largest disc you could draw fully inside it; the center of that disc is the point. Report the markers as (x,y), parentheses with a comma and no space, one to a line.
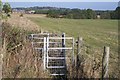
(96,33)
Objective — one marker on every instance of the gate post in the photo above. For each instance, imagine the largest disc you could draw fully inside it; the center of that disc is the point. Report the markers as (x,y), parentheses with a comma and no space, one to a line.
(47,48)
(63,50)
(79,44)
(44,49)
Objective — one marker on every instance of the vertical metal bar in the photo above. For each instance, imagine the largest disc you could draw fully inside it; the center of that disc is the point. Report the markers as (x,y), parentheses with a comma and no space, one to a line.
(47,48)
(44,53)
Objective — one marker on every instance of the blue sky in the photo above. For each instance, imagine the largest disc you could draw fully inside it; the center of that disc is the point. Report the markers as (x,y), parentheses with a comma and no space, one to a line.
(80,5)
(60,0)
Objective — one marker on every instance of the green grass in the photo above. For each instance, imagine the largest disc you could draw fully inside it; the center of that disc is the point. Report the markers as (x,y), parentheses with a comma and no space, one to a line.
(96,33)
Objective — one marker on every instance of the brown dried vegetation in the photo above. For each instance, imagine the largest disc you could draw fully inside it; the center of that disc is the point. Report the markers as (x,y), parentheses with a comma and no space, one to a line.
(20,60)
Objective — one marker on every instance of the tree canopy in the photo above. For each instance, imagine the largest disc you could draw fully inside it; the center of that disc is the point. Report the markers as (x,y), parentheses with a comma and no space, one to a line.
(75,13)
(85,14)
(0,5)
(72,13)
(7,8)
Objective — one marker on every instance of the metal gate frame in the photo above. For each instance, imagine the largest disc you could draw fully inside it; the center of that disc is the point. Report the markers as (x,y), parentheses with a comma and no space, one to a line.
(46,41)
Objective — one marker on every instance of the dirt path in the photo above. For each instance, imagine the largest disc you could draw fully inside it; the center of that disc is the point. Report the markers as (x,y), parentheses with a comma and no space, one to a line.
(23,22)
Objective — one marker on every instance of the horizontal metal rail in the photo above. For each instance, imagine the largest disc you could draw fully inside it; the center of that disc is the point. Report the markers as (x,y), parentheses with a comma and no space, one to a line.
(62,48)
(56,48)
(56,67)
(43,42)
(60,38)
(57,74)
(56,57)
(43,34)
(54,38)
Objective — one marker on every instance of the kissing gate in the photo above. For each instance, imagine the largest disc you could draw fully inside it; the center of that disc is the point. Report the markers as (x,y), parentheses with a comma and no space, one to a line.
(57,52)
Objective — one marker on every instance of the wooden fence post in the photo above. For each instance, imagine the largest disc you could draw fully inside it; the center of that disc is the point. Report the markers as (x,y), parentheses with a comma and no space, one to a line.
(79,44)
(105,62)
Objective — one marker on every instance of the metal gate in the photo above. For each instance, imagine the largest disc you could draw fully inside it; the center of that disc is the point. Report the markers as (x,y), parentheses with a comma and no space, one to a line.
(55,51)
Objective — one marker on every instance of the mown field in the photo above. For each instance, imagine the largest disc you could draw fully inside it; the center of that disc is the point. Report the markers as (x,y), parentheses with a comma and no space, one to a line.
(96,34)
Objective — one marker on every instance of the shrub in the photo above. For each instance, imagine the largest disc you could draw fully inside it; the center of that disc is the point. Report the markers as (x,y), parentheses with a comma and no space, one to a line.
(21,15)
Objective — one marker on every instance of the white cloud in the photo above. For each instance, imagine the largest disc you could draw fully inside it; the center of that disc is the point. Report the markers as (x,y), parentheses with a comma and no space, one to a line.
(60,0)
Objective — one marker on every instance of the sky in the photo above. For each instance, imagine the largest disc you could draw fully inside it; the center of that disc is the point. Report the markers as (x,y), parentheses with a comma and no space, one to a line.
(60,0)
(81,4)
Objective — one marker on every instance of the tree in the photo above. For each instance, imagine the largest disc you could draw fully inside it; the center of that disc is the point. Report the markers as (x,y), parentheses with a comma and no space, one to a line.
(53,13)
(7,8)
(117,13)
(105,15)
(69,16)
(76,13)
(0,5)
(90,14)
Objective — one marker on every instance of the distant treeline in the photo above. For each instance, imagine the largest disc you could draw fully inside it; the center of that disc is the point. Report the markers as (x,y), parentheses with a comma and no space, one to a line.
(84,14)
(76,13)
